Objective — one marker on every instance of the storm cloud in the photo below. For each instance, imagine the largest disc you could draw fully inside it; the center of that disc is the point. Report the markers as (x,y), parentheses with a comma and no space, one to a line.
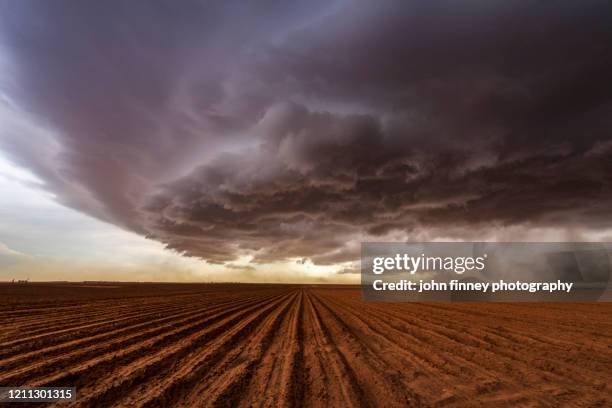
(285,129)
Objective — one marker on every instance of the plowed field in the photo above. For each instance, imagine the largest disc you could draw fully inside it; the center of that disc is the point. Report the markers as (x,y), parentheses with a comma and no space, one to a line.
(280,345)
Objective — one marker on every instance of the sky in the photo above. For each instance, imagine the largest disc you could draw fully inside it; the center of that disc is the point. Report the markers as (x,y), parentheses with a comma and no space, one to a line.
(264,141)
(42,240)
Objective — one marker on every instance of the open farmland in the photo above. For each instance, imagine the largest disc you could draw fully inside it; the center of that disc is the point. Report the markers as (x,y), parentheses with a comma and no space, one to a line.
(281,345)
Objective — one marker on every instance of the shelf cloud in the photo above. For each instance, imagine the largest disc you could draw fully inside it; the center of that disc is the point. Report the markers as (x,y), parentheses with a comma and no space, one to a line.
(287,129)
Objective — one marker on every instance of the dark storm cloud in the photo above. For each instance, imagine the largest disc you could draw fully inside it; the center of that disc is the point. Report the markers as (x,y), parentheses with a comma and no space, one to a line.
(290,130)
(133,89)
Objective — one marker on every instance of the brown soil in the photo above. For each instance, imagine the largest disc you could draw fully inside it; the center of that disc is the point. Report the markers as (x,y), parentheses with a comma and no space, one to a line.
(281,345)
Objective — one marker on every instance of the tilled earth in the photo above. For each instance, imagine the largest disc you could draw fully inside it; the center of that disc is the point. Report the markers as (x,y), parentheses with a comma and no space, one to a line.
(286,345)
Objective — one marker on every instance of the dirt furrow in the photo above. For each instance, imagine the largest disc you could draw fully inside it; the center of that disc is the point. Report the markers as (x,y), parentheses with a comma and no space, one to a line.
(501,345)
(277,379)
(379,365)
(107,339)
(333,382)
(164,353)
(158,345)
(188,366)
(227,382)
(92,359)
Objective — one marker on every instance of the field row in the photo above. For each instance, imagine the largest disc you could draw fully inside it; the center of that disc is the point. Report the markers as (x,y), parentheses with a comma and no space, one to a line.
(313,346)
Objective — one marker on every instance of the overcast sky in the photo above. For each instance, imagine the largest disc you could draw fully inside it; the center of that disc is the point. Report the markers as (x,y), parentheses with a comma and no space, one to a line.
(265,140)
